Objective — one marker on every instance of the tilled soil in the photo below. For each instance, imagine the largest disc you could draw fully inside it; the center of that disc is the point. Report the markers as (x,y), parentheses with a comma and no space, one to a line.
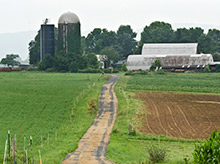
(93,145)
(189,116)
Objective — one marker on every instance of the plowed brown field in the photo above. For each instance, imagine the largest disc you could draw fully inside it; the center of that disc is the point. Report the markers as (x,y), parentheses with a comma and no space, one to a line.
(190,116)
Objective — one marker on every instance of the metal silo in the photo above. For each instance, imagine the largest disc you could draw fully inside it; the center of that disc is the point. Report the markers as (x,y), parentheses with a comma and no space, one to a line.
(47,40)
(69,34)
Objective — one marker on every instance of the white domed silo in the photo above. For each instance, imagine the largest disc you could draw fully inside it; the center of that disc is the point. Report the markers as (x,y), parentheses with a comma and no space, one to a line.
(69,33)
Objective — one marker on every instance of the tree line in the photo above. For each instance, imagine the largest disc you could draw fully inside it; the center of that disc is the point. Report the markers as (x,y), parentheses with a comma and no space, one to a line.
(117,45)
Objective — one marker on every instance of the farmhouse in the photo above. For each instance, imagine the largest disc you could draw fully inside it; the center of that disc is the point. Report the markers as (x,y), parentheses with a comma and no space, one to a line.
(172,56)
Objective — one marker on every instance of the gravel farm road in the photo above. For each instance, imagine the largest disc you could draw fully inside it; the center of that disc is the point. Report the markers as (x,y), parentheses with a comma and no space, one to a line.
(93,145)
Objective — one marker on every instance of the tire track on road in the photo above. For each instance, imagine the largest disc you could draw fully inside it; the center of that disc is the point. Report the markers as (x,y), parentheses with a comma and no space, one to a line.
(93,145)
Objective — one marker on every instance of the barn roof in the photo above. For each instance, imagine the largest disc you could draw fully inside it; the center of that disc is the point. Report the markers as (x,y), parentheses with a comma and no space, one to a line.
(169,48)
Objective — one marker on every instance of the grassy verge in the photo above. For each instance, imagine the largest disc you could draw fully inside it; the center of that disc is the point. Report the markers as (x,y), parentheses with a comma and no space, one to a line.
(50,107)
(132,148)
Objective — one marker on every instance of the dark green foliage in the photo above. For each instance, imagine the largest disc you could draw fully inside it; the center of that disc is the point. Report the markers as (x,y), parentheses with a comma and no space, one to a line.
(126,40)
(34,49)
(98,39)
(10,60)
(74,66)
(209,151)
(92,106)
(207,69)
(216,56)
(157,154)
(156,64)
(112,56)
(90,70)
(124,67)
(157,32)
(70,62)
(115,70)
(139,72)
(161,72)
(107,70)
(210,42)
(48,62)
(192,35)
(92,61)
(129,73)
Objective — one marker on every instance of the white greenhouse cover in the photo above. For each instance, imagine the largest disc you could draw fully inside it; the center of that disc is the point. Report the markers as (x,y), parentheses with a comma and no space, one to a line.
(170,55)
(169,48)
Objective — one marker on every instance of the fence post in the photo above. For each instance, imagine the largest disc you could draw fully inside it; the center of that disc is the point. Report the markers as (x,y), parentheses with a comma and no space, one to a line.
(31,150)
(26,157)
(13,149)
(4,160)
(40,157)
(24,142)
(15,141)
(9,146)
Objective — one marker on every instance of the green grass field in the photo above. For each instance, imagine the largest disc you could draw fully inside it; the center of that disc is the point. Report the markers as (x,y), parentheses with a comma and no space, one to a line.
(50,107)
(131,149)
(171,82)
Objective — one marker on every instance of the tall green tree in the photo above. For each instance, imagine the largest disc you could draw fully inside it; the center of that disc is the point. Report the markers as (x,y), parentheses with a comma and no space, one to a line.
(92,61)
(70,61)
(110,56)
(34,49)
(48,62)
(157,32)
(126,40)
(9,60)
(216,56)
(192,35)
(99,38)
(210,43)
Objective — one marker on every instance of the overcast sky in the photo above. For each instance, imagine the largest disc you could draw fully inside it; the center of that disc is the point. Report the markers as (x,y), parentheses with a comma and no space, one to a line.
(27,15)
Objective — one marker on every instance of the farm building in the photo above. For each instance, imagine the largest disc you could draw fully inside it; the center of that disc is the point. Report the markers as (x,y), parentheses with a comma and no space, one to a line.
(172,56)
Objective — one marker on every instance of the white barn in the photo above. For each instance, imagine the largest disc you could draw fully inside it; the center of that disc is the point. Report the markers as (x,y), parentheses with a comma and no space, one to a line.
(183,55)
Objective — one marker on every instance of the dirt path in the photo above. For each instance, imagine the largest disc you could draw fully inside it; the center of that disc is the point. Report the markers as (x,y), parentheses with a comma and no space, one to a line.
(94,143)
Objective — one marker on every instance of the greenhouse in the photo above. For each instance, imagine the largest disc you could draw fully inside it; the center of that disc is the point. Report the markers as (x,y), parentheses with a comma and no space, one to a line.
(170,55)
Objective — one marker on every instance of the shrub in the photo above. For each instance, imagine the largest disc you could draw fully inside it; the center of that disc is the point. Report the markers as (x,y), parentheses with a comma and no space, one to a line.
(50,70)
(209,151)
(207,69)
(124,67)
(156,64)
(129,73)
(115,71)
(63,71)
(156,154)
(107,70)
(131,130)
(92,106)
(161,71)
(142,72)
(30,68)
(90,70)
